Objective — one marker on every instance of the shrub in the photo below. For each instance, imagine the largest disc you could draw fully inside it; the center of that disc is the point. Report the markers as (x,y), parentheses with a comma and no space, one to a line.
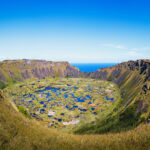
(23,111)
(2,85)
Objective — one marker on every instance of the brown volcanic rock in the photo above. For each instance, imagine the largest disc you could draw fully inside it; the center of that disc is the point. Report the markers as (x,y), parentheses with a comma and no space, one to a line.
(22,69)
(119,72)
(132,77)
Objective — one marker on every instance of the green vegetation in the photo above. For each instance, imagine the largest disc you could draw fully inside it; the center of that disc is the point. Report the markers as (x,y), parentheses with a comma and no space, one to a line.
(134,106)
(24,111)
(19,70)
(132,109)
(113,122)
(64,103)
(125,118)
(2,85)
(58,74)
(109,116)
(18,132)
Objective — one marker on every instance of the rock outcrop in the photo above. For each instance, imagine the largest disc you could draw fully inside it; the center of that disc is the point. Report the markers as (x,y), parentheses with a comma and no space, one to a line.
(18,70)
(133,80)
(118,73)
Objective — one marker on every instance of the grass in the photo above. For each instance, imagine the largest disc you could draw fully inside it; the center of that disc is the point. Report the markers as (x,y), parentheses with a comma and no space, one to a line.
(123,126)
(113,122)
(18,132)
(2,85)
(23,111)
(116,116)
(78,87)
(132,109)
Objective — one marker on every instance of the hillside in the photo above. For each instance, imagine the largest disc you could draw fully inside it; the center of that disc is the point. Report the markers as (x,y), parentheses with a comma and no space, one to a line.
(18,132)
(19,70)
(133,79)
(126,123)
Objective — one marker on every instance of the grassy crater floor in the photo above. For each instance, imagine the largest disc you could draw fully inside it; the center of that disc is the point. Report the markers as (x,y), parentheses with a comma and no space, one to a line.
(64,103)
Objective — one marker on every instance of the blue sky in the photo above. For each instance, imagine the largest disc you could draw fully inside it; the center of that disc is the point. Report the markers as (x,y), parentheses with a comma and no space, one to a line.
(75,30)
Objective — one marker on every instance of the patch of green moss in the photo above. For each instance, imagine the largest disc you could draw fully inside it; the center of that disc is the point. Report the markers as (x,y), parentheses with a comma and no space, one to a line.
(23,111)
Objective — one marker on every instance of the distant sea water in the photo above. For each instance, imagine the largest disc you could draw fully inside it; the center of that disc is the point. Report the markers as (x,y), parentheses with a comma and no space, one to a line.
(90,67)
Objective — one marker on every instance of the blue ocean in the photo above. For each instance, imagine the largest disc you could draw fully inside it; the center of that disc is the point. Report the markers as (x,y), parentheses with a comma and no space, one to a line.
(90,67)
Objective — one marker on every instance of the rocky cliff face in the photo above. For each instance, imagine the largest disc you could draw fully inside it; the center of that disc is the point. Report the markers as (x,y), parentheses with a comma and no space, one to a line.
(118,73)
(23,69)
(133,79)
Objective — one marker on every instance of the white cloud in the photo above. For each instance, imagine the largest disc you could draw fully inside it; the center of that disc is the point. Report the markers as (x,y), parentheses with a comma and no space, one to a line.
(114,46)
(146,48)
(119,46)
(141,49)
(134,49)
(133,53)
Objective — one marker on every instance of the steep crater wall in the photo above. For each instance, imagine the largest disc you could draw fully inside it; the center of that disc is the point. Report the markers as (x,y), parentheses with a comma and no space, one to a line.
(133,79)
(19,70)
